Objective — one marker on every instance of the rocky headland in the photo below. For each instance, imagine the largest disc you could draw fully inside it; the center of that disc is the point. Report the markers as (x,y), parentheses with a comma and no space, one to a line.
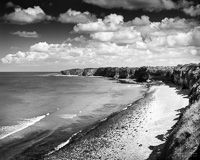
(183,142)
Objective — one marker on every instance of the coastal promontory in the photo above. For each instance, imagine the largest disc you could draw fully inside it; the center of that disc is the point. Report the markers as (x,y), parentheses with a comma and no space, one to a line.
(183,141)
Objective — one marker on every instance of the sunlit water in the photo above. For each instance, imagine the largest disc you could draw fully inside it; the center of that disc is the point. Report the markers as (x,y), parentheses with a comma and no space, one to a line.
(39,107)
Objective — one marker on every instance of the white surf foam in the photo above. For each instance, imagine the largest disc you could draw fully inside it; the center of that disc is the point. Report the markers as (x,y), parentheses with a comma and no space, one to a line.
(70,75)
(6,131)
(124,108)
(60,75)
(103,119)
(94,76)
(68,116)
(63,144)
(49,74)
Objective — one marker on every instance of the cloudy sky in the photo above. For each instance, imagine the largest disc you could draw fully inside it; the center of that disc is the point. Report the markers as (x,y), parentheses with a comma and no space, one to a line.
(51,35)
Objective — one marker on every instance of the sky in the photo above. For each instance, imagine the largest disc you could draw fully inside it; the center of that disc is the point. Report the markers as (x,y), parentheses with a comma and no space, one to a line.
(52,35)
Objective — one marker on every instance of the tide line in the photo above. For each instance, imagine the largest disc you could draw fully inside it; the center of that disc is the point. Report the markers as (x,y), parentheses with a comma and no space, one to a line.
(6,131)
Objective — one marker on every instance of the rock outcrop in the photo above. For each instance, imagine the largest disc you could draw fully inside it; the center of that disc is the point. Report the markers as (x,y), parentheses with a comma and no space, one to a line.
(184,140)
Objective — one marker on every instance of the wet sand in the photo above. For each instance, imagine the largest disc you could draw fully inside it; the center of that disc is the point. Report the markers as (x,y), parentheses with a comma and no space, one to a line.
(130,133)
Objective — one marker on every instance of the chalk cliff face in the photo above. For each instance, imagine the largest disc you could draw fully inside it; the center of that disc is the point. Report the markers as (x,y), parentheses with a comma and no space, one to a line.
(77,72)
(112,72)
(141,74)
(184,140)
(160,73)
(186,75)
(108,72)
(88,71)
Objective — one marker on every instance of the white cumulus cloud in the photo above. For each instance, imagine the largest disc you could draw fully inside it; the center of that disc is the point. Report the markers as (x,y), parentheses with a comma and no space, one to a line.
(43,51)
(170,31)
(72,16)
(192,10)
(177,23)
(27,16)
(126,35)
(81,38)
(144,20)
(117,43)
(111,22)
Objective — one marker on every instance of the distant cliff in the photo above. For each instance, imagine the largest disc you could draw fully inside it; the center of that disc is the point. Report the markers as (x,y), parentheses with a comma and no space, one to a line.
(183,143)
(141,74)
(113,72)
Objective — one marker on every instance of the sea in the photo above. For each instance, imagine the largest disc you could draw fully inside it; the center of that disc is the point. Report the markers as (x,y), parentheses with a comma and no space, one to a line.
(40,112)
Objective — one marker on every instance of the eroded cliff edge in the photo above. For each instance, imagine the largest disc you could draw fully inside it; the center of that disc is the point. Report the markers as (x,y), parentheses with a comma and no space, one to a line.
(184,140)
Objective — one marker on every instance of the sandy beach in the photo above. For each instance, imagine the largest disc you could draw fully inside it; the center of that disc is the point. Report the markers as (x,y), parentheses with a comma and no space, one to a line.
(130,133)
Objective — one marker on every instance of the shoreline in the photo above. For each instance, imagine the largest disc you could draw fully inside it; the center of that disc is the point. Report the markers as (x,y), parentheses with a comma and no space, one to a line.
(92,127)
(179,136)
(81,133)
(32,151)
(102,128)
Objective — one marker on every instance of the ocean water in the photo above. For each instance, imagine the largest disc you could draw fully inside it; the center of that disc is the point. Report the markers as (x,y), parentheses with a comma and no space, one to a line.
(39,112)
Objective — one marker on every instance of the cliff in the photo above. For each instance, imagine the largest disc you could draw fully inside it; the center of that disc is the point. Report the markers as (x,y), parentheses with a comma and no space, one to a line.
(184,140)
(112,72)
(141,74)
